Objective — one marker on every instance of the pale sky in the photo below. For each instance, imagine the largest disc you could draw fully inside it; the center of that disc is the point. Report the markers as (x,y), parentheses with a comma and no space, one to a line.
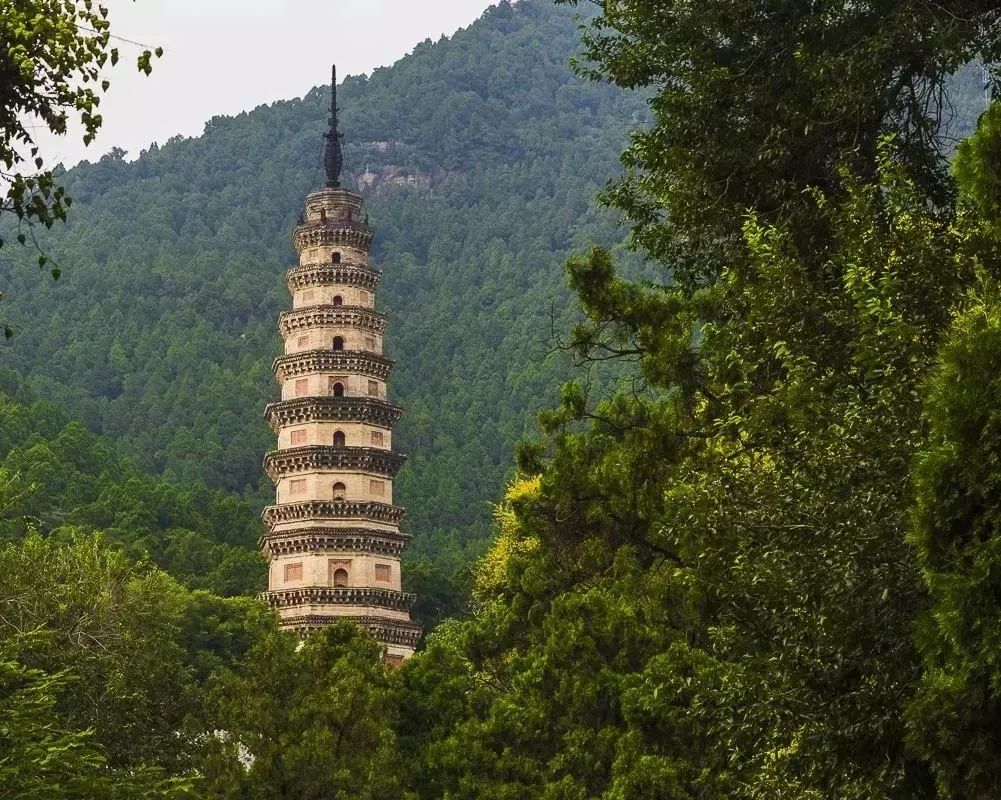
(228,56)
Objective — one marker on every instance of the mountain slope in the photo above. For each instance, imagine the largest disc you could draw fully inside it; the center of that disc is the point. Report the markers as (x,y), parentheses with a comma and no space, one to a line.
(479,155)
(56,477)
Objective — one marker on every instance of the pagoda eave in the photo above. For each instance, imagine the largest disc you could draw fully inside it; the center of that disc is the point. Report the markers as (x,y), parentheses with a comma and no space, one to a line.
(340,595)
(317,457)
(398,632)
(310,362)
(324,539)
(314,510)
(329,316)
(332,409)
(347,274)
(326,234)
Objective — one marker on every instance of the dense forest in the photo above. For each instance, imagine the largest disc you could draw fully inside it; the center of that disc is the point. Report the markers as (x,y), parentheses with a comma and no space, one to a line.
(479,156)
(58,476)
(751,547)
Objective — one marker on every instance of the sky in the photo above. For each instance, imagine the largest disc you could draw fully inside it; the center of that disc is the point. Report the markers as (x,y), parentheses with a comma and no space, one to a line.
(222,57)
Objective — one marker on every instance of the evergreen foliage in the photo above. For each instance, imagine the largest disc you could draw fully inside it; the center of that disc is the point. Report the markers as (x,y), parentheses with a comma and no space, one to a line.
(763,567)
(57,477)
(487,153)
(117,682)
(956,529)
(716,597)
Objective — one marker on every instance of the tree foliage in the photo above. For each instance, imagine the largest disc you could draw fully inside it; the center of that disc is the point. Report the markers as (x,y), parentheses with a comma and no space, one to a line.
(721,598)
(484,153)
(55,476)
(754,101)
(52,61)
(117,682)
(953,718)
(305,720)
(763,566)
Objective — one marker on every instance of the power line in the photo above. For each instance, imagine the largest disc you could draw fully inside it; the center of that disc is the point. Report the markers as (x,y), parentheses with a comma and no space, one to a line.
(119,38)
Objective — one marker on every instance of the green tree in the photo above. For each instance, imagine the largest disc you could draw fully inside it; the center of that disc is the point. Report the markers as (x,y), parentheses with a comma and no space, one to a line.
(51,66)
(42,756)
(305,719)
(956,524)
(126,651)
(721,561)
(755,101)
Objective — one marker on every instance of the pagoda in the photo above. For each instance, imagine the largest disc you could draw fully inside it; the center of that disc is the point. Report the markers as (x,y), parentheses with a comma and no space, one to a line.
(334,542)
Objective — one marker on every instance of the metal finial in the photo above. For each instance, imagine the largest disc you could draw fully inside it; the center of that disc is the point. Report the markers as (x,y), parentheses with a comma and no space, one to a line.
(332,156)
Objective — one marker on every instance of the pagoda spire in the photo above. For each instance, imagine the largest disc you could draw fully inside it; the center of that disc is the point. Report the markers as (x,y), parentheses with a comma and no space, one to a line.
(333,159)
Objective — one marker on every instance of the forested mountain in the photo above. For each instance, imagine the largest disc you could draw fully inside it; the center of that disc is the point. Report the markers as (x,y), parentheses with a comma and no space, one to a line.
(767,566)
(56,477)
(479,157)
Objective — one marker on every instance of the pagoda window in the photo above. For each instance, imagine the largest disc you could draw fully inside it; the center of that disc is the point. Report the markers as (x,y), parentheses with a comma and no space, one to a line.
(383,573)
(323,215)
(338,343)
(373,388)
(297,486)
(370,343)
(307,297)
(298,436)
(338,300)
(376,488)
(338,438)
(302,342)
(293,572)
(340,577)
(377,438)
(335,257)
(337,389)
(339,490)
(302,387)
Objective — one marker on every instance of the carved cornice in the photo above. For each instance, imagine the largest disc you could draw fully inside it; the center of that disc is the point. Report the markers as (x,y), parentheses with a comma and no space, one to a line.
(315,539)
(327,316)
(332,409)
(315,457)
(340,596)
(311,510)
(346,274)
(388,631)
(332,233)
(310,362)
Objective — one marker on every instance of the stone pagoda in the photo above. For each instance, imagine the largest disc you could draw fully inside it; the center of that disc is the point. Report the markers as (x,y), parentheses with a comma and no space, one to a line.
(334,542)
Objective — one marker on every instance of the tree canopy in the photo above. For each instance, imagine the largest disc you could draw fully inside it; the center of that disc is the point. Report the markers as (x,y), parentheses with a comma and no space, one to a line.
(755,559)
(52,70)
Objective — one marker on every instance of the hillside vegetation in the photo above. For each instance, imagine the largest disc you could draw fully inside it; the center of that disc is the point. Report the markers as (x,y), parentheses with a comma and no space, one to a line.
(56,477)
(768,565)
(480,157)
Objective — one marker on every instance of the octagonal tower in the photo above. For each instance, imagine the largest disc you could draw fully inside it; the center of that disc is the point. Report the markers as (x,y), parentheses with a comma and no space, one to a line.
(334,542)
